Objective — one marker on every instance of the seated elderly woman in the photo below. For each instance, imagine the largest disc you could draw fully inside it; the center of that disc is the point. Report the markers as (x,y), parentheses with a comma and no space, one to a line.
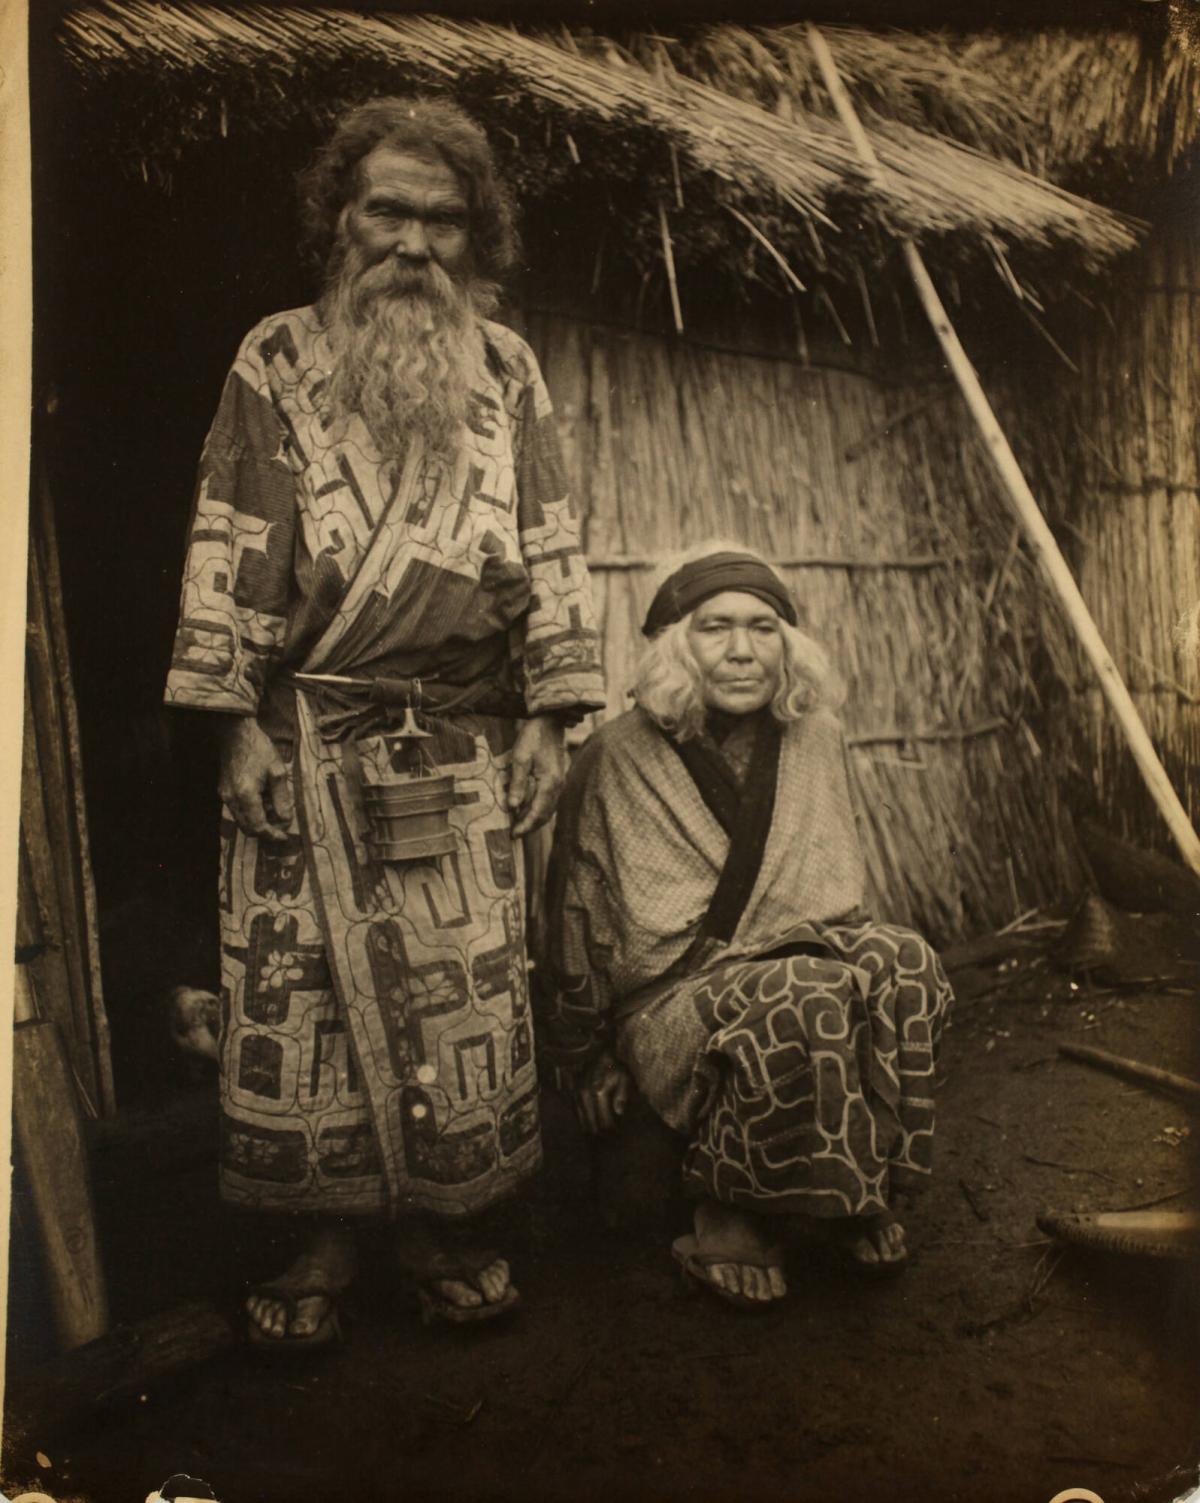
(707,938)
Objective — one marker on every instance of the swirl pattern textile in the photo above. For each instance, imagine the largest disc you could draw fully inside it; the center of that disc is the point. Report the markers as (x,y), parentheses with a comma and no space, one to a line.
(804,1082)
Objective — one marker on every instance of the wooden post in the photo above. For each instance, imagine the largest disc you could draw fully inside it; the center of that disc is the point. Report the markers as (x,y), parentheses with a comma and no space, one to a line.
(50,1135)
(54,824)
(1037,533)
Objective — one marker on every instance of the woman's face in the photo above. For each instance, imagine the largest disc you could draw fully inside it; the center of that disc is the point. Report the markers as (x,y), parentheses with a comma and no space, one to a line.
(738,646)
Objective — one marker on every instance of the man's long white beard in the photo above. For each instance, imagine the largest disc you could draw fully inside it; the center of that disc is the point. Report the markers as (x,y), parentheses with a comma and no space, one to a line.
(404,344)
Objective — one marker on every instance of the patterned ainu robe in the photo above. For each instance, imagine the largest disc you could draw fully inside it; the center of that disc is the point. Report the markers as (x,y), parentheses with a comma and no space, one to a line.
(718,945)
(376,1054)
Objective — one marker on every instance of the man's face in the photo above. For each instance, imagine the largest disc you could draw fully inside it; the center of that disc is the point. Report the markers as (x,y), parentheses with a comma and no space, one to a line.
(411,208)
(738,646)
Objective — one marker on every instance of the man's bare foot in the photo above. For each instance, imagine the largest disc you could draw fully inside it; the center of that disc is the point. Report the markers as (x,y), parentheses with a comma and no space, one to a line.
(465,1279)
(750,1266)
(282,1308)
(489,1286)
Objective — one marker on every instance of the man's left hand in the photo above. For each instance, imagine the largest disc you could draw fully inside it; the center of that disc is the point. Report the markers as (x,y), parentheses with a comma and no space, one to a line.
(539,764)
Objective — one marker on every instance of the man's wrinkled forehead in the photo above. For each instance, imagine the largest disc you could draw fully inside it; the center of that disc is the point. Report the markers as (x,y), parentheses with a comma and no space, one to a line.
(420,175)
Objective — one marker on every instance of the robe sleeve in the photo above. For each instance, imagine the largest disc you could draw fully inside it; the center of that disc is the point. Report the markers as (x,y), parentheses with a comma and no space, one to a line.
(559,648)
(238,570)
(575,1002)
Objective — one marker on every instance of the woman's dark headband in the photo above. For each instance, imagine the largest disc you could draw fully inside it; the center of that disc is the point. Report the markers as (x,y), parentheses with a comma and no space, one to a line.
(680,593)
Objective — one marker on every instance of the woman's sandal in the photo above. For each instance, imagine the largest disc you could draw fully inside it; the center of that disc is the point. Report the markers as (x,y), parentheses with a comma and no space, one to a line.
(695,1266)
(328,1331)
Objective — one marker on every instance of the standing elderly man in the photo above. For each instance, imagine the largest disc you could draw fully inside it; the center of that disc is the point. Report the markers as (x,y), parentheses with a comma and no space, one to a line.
(382,534)
(708,939)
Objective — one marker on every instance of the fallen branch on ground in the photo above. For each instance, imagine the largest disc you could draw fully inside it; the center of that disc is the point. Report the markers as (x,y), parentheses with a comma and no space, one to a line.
(1132,1069)
(1159,1200)
(124,1364)
(1066,1168)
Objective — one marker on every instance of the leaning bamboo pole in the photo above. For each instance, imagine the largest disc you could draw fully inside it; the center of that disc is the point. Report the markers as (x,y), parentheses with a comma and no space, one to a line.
(1041,540)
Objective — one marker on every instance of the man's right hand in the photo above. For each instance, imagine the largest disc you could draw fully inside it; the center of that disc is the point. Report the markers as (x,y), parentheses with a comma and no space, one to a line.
(603,1094)
(251,767)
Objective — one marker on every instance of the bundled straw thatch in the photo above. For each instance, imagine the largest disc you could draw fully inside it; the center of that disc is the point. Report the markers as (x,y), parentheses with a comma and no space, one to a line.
(1101,105)
(690,128)
(1132,486)
(1063,104)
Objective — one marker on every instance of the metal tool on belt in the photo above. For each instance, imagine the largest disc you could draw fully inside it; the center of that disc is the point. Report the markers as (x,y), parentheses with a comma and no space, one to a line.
(407,813)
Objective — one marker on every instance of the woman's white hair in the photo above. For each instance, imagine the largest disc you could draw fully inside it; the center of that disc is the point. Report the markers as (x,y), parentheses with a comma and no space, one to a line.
(668,683)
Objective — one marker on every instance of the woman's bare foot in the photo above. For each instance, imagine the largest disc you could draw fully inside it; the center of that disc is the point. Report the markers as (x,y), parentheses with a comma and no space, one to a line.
(282,1308)
(753,1269)
(876,1243)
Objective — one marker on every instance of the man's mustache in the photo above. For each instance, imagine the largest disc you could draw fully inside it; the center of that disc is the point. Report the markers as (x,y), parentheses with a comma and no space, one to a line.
(393,277)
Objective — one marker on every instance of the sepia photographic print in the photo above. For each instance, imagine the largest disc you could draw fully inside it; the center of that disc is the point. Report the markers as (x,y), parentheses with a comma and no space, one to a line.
(605,884)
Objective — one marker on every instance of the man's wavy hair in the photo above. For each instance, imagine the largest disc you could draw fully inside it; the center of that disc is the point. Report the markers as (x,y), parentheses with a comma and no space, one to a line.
(668,684)
(419,124)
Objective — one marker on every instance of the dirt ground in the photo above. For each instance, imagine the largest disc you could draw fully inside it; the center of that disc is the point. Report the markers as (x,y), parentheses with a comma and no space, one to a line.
(998,1368)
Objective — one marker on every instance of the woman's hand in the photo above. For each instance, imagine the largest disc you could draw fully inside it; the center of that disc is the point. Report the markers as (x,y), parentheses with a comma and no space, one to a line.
(539,765)
(602,1095)
(251,767)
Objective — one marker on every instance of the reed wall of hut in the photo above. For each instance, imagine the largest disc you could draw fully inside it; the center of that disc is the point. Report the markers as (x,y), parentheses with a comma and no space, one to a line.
(864,480)
(1132,484)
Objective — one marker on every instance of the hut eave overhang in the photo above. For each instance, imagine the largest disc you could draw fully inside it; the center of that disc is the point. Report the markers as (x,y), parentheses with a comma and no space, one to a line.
(566,108)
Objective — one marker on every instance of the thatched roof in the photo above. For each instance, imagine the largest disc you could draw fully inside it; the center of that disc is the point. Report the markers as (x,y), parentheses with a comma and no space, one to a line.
(1062,104)
(722,145)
